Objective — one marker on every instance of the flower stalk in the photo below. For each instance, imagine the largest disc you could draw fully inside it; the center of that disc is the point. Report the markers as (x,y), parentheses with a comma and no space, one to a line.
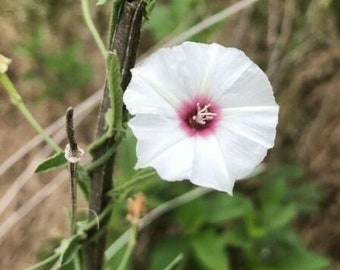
(73,155)
(136,208)
(87,16)
(130,247)
(18,102)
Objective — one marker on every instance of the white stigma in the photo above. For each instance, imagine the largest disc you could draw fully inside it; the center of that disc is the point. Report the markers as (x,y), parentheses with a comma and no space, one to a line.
(203,115)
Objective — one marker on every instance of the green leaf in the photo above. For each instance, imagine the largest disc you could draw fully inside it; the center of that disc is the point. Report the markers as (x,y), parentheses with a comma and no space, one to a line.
(114,115)
(307,197)
(175,262)
(166,250)
(116,92)
(150,4)
(101,2)
(189,215)
(237,237)
(69,248)
(83,180)
(216,209)
(303,260)
(209,248)
(109,120)
(53,162)
(286,172)
(126,158)
(274,192)
(221,208)
(276,217)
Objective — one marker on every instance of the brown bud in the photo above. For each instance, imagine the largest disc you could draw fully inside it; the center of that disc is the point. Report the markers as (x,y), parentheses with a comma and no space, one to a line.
(136,208)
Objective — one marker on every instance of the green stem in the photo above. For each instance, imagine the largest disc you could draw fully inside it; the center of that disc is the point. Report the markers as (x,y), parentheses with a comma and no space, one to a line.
(17,101)
(76,263)
(100,161)
(45,262)
(174,263)
(135,179)
(129,248)
(92,28)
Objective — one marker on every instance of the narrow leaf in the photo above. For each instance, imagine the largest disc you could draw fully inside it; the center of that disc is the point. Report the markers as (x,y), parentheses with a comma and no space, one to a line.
(116,92)
(114,115)
(83,180)
(53,162)
(303,260)
(150,4)
(69,248)
(175,263)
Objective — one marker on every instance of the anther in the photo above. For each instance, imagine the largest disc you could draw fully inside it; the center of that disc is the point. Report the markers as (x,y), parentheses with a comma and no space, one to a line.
(203,115)
(199,120)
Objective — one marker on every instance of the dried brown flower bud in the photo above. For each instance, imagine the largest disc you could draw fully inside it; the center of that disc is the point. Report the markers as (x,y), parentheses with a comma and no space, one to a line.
(136,208)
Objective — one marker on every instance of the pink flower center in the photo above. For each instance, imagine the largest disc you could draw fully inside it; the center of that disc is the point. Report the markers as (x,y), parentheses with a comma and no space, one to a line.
(199,116)
(202,117)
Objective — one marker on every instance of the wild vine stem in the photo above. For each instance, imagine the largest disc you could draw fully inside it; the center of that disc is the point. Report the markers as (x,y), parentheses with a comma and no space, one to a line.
(126,31)
(72,168)
(18,102)
(87,16)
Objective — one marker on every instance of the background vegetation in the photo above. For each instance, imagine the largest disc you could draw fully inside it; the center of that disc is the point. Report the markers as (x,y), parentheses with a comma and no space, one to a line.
(286,217)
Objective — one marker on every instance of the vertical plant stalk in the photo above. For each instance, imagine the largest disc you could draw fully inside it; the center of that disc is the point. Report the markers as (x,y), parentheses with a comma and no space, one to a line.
(72,166)
(126,31)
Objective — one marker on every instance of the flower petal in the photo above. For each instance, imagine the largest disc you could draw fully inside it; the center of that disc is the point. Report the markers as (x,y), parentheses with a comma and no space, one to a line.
(140,97)
(254,123)
(162,145)
(161,72)
(209,166)
(244,147)
(235,75)
(251,88)
(171,70)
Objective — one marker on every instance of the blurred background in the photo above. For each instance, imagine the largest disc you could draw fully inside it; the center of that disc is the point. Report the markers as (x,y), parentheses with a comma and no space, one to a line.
(286,217)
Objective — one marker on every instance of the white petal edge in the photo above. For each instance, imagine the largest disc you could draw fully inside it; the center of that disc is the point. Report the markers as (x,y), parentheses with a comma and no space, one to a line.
(140,97)
(241,154)
(159,142)
(210,168)
(251,88)
(253,123)
(180,69)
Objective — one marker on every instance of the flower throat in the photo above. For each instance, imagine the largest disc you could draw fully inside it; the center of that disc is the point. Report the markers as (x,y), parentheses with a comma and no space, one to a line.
(201,118)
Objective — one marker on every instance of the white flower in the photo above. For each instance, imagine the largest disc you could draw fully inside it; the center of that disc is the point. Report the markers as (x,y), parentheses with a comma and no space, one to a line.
(202,112)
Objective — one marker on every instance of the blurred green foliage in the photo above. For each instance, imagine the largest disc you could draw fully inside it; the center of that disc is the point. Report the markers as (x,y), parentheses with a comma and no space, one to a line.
(174,16)
(254,229)
(56,72)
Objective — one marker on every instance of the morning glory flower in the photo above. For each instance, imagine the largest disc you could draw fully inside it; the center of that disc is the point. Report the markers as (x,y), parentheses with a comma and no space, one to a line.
(202,112)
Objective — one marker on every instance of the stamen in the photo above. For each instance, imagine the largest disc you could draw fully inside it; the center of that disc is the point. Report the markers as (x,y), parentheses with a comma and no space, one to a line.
(203,115)
(200,119)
